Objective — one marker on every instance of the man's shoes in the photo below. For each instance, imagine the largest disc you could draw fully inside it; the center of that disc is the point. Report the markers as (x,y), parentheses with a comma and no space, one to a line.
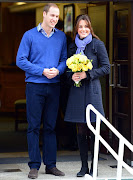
(54,171)
(33,174)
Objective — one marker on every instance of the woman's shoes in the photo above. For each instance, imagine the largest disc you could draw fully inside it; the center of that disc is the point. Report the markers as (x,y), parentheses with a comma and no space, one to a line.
(91,172)
(83,171)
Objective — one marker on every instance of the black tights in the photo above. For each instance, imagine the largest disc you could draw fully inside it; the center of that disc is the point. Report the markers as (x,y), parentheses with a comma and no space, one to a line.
(82,129)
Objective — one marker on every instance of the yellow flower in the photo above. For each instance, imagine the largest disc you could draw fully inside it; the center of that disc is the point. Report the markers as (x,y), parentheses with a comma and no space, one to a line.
(79,67)
(89,65)
(79,63)
(69,61)
(73,67)
(83,59)
(76,56)
(84,68)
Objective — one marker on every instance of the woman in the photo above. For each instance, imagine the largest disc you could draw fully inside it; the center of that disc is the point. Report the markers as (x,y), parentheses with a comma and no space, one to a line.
(87,43)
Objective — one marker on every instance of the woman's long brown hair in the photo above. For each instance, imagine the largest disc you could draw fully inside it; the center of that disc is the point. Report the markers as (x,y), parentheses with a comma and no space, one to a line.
(87,19)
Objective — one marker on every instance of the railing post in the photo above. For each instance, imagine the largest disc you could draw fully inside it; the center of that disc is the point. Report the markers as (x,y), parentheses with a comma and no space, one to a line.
(96,148)
(122,142)
(120,157)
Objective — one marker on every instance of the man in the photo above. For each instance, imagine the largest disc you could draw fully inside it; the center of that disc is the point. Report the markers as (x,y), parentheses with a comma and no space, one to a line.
(42,55)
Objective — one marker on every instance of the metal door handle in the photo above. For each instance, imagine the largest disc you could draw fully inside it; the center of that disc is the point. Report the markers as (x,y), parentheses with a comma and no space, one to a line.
(111,76)
(119,75)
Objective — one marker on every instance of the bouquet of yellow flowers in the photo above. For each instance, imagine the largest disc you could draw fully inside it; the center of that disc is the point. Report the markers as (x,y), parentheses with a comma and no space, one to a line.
(79,63)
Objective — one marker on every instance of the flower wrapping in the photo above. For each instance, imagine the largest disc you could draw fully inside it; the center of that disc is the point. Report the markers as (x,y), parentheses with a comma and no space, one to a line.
(79,63)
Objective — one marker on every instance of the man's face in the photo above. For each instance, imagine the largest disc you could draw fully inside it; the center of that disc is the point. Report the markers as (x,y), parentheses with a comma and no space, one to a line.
(51,17)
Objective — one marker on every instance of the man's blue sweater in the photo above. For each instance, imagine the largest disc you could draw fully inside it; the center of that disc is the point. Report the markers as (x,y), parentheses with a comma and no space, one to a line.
(37,52)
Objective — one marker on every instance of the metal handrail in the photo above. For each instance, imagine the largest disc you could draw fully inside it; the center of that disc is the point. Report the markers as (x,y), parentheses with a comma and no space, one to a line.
(122,142)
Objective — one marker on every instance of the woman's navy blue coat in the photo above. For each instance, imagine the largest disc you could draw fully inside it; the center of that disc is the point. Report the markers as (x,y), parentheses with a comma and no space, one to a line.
(90,91)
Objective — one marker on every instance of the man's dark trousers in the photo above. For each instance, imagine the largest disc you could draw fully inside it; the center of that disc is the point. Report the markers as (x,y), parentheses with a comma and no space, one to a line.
(42,101)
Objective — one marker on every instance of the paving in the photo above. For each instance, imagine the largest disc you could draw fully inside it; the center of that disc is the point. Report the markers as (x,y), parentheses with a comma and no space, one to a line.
(13,166)
(14,158)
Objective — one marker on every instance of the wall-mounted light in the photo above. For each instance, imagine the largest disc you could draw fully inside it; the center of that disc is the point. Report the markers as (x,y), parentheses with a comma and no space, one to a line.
(20,3)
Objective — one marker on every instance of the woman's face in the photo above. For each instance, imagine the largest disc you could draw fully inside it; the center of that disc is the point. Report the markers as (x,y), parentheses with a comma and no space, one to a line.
(83,29)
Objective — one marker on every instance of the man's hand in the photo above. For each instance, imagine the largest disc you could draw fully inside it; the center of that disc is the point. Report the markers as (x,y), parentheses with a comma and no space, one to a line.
(50,73)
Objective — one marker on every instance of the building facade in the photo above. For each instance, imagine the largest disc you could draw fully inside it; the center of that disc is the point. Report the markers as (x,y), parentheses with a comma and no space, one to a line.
(112,22)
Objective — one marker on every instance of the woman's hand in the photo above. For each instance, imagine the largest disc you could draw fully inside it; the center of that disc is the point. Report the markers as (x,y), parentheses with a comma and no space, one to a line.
(78,76)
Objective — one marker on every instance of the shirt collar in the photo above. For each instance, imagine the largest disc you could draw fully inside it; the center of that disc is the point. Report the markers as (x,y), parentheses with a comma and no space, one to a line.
(40,29)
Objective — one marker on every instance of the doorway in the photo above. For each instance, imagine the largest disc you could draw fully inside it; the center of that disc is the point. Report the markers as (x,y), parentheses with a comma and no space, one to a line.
(121,93)
(12,85)
(100,25)
(99,16)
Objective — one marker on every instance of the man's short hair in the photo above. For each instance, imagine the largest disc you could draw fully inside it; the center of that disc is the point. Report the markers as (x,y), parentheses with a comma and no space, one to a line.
(48,6)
